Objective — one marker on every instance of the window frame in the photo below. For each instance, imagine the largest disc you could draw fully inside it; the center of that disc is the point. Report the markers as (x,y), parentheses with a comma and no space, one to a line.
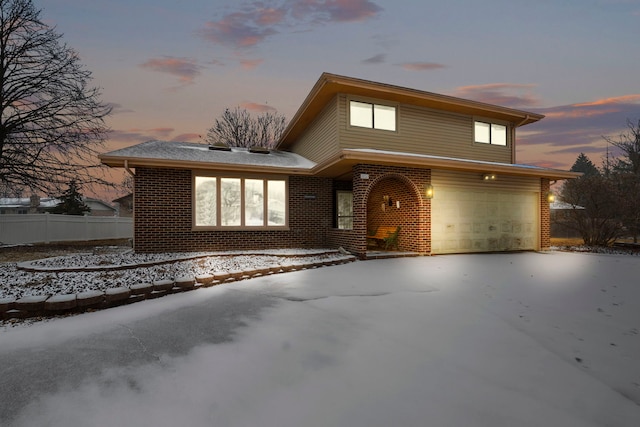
(242,227)
(491,124)
(338,216)
(373,115)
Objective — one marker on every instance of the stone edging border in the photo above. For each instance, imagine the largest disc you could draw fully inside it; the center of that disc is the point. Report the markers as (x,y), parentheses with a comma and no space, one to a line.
(51,305)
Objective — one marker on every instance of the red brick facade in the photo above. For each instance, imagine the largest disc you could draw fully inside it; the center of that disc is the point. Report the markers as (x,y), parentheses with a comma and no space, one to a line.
(163,220)
(545,215)
(163,216)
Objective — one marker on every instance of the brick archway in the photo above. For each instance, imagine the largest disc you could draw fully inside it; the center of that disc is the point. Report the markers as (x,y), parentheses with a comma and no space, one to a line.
(371,183)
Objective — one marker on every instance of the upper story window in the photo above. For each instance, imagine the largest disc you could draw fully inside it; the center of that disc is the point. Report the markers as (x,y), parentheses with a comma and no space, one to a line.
(373,116)
(490,133)
(239,202)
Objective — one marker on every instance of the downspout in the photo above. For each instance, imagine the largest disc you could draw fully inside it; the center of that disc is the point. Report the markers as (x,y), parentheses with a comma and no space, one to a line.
(133,175)
(513,138)
(129,171)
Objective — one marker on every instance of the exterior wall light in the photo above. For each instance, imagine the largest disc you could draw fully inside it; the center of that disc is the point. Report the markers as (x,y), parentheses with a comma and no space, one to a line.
(551,197)
(428,191)
(489,177)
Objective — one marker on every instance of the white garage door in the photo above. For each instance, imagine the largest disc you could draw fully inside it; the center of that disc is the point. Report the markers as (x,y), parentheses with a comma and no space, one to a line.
(473,220)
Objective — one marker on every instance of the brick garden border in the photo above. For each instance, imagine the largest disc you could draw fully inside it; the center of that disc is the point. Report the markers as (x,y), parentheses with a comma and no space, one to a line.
(52,305)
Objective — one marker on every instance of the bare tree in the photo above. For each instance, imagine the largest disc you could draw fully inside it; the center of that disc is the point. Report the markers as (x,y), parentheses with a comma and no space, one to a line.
(594,212)
(625,173)
(52,121)
(629,144)
(238,128)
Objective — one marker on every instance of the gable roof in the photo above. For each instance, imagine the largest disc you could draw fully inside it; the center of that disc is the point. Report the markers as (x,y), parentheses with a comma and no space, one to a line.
(329,85)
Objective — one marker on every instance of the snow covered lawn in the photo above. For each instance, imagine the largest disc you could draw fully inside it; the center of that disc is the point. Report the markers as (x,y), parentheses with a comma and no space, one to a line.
(73,274)
(524,339)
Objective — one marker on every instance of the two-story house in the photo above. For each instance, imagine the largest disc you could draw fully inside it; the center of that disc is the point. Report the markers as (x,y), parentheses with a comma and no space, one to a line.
(357,155)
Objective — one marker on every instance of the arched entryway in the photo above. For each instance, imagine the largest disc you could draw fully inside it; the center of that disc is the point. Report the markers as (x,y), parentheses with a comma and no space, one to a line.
(393,200)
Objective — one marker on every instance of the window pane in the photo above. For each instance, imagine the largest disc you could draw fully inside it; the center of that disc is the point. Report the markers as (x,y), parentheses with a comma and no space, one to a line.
(384,117)
(205,201)
(361,114)
(344,202)
(482,132)
(345,223)
(230,201)
(253,202)
(498,134)
(276,202)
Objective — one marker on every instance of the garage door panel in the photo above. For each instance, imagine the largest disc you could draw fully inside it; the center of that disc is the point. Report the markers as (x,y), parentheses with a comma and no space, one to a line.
(483,221)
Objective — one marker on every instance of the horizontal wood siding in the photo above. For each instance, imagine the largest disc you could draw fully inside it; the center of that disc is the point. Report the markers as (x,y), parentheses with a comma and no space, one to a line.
(469,181)
(423,131)
(320,140)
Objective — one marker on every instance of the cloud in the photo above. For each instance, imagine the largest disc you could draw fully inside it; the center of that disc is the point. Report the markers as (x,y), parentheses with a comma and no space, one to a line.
(577,124)
(187,137)
(376,59)
(255,22)
(241,29)
(421,66)
(506,94)
(140,135)
(568,130)
(184,68)
(119,108)
(624,99)
(250,64)
(335,10)
(258,108)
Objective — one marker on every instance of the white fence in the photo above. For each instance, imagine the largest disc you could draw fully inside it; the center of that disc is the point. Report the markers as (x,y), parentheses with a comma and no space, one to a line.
(46,228)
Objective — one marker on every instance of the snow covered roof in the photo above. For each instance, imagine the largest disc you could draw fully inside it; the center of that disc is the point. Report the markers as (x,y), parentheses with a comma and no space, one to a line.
(194,155)
(19,202)
(346,158)
(560,205)
(98,205)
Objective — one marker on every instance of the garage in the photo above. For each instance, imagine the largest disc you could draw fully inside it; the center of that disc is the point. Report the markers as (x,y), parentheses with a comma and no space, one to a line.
(472,214)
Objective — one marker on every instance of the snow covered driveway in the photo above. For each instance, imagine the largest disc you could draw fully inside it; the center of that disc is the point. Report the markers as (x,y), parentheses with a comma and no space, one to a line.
(485,340)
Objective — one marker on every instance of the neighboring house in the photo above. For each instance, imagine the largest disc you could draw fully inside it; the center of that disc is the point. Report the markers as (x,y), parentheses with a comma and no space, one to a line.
(36,204)
(26,205)
(99,207)
(356,156)
(124,205)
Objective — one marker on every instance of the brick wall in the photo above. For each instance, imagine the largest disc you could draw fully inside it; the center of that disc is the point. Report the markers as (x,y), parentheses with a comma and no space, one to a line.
(545,216)
(163,217)
(400,183)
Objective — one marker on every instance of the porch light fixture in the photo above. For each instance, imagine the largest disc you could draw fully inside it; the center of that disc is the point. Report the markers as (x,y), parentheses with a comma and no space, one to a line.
(551,197)
(489,177)
(428,191)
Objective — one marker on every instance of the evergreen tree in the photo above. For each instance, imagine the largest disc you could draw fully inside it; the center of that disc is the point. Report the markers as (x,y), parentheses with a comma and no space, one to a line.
(71,202)
(585,165)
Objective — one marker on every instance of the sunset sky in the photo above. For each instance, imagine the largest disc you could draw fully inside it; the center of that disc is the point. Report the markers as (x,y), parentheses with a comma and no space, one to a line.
(170,68)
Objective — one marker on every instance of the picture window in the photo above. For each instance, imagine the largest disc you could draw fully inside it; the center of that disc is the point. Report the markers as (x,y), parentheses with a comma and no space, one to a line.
(240,202)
